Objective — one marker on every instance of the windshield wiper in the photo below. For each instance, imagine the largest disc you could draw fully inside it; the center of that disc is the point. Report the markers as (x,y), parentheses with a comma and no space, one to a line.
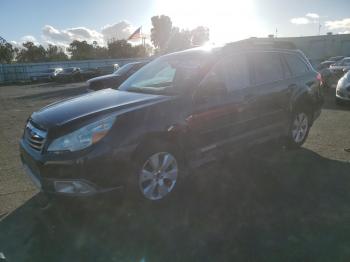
(140,90)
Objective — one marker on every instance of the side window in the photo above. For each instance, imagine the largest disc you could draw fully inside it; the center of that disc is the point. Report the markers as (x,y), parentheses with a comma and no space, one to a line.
(232,71)
(296,65)
(236,72)
(215,75)
(346,62)
(267,67)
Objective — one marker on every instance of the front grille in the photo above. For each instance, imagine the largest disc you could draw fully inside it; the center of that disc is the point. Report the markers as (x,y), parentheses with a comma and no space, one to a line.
(34,137)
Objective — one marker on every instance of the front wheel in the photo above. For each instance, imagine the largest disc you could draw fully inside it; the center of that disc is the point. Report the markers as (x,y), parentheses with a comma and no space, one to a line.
(157,172)
(299,129)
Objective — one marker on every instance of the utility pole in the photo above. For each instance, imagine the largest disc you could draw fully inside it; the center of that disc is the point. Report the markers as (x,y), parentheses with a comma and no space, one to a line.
(319,27)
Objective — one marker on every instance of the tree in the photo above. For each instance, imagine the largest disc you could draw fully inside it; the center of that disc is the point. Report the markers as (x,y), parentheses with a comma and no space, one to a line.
(120,49)
(179,40)
(200,35)
(55,53)
(31,53)
(81,50)
(161,31)
(99,51)
(7,53)
(142,50)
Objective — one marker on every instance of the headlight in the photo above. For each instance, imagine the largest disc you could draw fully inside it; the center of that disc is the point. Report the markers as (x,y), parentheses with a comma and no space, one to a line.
(83,137)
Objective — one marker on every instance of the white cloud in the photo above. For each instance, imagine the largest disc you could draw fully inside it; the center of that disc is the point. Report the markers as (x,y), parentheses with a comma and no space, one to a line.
(15,44)
(344,32)
(64,37)
(52,34)
(121,30)
(29,38)
(300,21)
(312,15)
(338,24)
(309,18)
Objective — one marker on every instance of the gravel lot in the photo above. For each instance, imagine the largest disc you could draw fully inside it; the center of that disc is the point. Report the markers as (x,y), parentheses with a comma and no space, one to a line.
(16,105)
(269,205)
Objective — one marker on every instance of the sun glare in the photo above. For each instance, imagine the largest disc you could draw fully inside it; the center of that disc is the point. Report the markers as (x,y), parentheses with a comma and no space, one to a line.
(227,20)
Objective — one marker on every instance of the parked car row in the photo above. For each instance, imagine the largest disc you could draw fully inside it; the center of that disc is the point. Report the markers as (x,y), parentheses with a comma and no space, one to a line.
(116,79)
(335,74)
(47,75)
(72,73)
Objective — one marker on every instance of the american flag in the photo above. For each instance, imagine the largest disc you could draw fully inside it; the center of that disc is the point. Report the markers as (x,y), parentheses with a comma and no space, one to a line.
(136,35)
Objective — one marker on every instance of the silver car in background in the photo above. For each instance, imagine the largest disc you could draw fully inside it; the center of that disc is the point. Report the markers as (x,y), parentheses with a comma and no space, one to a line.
(343,89)
(341,66)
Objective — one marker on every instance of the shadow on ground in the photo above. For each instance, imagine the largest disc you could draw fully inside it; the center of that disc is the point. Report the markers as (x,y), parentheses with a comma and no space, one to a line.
(269,205)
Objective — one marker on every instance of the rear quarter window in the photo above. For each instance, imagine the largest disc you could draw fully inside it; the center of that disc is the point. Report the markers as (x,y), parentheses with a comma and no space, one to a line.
(296,65)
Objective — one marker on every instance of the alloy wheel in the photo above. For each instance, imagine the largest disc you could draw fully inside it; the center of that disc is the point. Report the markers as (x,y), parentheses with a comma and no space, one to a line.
(300,127)
(158,176)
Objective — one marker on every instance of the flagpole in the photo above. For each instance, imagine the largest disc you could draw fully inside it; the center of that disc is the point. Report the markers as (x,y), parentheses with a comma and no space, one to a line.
(142,39)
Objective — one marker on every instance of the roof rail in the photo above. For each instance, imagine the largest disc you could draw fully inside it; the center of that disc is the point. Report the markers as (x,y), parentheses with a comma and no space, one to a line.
(261,43)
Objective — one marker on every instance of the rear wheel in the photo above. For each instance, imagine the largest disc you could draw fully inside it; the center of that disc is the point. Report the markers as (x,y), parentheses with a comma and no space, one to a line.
(299,129)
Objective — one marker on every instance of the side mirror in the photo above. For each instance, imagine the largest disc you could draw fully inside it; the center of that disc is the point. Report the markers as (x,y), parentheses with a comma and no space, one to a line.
(210,89)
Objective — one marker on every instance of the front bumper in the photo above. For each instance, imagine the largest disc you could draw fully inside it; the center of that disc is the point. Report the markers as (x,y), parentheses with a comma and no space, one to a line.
(101,170)
(343,94)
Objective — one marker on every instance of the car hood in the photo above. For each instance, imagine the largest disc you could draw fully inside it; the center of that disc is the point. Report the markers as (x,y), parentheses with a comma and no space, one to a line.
(105,77)
(42,74)
(91,104)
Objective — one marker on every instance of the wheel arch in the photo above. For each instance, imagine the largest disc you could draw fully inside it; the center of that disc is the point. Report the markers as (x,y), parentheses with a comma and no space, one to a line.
(151,139)
(303,101)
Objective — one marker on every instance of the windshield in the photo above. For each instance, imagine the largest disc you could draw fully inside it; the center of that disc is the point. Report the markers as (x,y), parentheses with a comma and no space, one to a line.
(68,70)
(168,75)
(347,75)
(344,61)
(124,69)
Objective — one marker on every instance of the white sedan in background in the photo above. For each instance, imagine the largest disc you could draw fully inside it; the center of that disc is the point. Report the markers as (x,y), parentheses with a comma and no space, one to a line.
(343,89)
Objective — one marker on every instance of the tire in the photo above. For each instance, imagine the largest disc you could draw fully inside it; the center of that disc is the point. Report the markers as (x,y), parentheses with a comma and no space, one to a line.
(299,128)
(157,172)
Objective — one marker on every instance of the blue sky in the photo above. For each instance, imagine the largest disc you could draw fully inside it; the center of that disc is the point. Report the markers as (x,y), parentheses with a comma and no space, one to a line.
(59,22)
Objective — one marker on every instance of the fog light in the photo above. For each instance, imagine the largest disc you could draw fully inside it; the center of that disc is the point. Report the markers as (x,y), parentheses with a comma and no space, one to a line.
(73,187)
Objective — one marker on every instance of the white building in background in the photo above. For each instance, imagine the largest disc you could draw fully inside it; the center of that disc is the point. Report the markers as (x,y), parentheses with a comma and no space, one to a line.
(319,47)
